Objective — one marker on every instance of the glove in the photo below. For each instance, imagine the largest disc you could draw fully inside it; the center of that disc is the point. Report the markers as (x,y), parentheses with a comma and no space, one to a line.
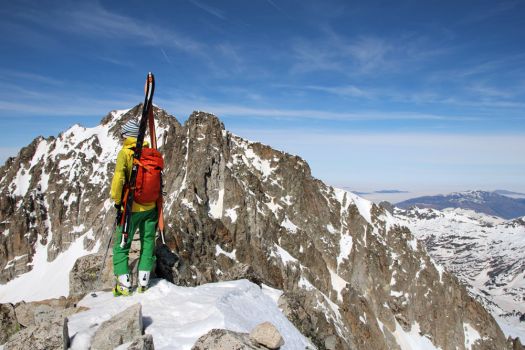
(119,212)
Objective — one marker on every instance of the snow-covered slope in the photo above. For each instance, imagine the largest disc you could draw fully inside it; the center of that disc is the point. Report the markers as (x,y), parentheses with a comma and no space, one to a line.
(177,316)
(485,252)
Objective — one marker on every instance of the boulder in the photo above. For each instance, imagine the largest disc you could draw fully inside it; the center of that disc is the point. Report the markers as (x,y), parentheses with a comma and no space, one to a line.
(266,334)
(83,275)
(222,339)
(143,343)
(47,335)
(124,327)
(243,271)
(36,312)
(25,313)
(8,321)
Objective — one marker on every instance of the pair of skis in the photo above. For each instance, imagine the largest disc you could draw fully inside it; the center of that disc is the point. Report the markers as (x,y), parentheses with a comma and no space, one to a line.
(147,120)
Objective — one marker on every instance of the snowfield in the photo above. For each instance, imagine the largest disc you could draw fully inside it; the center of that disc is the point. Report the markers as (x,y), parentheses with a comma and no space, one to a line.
(177,316)
(485,252)
(47,279)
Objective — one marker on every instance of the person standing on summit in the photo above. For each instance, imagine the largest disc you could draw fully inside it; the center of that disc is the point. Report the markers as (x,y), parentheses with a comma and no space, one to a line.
(144,217)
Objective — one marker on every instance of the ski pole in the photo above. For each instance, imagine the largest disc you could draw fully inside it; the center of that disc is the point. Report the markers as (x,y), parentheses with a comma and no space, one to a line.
(94,294)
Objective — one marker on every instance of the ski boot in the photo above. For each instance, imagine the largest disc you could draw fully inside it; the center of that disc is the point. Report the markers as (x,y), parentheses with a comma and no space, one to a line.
(123,286)
(143,281)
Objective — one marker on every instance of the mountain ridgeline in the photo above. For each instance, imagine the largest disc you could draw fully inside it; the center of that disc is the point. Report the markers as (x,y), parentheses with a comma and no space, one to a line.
(491,203)
(352,277)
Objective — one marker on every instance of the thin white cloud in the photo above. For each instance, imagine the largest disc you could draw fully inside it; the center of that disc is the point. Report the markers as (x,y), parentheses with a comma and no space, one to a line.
(479,14)
(21,76)
(115,61)
(93,20)
(346,90)
(165,55)
(209,9)
(233,110)
(362,55)
(274,5)
(62,102)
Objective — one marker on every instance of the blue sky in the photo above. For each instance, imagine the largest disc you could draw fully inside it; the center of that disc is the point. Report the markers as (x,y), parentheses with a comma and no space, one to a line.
(423,96)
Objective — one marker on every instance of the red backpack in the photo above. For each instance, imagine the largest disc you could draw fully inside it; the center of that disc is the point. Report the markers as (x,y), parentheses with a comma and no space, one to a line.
(148,186)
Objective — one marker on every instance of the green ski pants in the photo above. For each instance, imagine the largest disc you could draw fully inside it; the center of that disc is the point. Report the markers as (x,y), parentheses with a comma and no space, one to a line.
(146,222)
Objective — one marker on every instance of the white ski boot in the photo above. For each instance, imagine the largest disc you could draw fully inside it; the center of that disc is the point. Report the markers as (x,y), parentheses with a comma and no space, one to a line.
(143,281)
(123,286)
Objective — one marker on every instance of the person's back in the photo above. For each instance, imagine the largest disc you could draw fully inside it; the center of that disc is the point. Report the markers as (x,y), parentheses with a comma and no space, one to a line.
(143,217)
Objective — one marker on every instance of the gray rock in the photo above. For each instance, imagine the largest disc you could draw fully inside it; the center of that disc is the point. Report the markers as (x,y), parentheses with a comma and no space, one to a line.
(34,313)
(44,313)
(83,276)
(242,271)
(8,322)
(48,335)
(266,334)
(143,343)
(124,327)
(222,339)
(330,342)
(25,313)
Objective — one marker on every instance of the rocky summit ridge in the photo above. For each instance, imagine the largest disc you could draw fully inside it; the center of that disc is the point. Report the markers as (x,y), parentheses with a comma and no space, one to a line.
(352,276)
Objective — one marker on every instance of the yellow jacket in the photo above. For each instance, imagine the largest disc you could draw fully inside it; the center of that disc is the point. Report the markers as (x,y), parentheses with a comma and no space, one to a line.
(123,172)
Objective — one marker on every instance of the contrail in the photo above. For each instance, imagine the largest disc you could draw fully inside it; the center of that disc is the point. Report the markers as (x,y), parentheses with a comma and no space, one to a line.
(165,56)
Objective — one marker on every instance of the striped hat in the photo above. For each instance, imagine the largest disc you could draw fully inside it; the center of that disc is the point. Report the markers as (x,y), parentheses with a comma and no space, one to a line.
(130,129)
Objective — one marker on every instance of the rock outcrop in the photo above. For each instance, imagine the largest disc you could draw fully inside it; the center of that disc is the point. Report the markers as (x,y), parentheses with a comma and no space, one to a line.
(24,322)
(122,328)
(267,335)
(52,334)
(222,339)
(143,343)
(8,321)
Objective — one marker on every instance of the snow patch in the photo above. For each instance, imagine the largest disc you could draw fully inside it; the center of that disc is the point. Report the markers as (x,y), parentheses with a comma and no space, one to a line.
(232,213)
(345,248)
(396,294)
(412,339)
(338,284)
(288,225)
(282,254)
(346,198)
(217,206)
(274,207)
(471,335)
(231,255)
(263,166)
(331,229)
(47,279)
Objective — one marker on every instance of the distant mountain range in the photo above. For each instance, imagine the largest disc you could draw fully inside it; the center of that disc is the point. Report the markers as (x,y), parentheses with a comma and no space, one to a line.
(502,203)
(360,193)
